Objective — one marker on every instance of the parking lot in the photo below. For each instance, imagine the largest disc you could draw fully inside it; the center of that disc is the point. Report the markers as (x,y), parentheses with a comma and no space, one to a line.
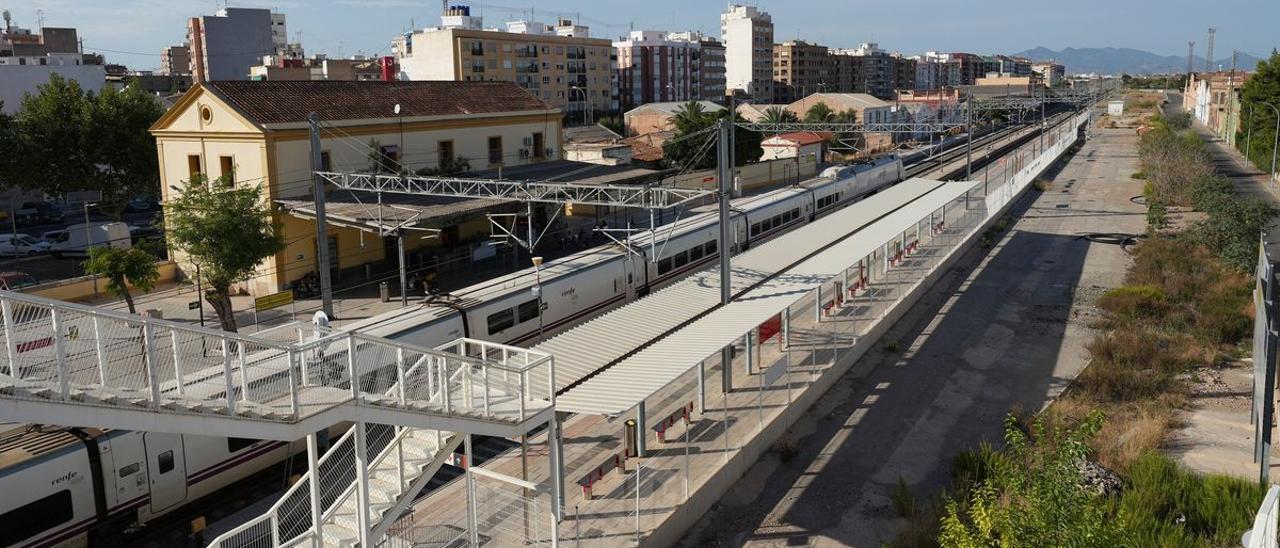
(45,267)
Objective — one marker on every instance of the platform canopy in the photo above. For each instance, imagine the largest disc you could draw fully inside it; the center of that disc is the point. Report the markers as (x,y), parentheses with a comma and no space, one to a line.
(619,388)
(602,342)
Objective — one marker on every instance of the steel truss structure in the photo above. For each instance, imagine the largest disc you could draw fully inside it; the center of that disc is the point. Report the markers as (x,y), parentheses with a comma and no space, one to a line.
(645,197)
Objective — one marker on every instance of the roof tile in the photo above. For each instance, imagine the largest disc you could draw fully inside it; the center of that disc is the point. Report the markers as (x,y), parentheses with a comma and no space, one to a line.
(275,102)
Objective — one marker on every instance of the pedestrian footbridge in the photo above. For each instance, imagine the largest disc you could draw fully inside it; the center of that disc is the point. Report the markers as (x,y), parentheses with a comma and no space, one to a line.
(411,407)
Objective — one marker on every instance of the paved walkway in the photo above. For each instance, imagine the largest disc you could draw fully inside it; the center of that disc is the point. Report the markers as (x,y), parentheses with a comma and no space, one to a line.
(1216,435)
(1005,330)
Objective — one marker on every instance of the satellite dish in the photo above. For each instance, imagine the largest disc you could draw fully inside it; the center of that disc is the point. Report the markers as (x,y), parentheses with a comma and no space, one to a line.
(397,109)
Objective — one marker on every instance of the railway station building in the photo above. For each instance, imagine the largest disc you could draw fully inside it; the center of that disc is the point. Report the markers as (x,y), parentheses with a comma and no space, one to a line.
(257,133)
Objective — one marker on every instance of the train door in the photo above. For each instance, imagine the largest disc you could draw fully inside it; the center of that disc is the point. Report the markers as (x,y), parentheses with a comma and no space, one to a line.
(129,461)
(167,466)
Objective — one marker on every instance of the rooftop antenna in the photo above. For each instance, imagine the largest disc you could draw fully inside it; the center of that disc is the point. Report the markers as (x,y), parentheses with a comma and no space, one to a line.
(8,21)
(1208,54)
(40,19)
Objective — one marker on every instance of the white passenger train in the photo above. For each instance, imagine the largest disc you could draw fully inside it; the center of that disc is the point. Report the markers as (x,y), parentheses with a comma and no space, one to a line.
(584,284)
(69,486)
(80,486)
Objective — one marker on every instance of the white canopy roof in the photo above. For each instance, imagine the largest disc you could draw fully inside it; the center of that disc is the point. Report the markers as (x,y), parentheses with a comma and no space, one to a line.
(625,384)
(584,350)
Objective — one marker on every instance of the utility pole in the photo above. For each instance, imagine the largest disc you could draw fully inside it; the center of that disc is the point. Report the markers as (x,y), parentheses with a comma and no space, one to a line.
(725,159)
(322,240)
(1208,54)
(968,141)
(1231,94)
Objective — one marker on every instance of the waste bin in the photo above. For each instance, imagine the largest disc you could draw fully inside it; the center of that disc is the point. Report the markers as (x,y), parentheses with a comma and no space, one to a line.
(384,292)
(630,438)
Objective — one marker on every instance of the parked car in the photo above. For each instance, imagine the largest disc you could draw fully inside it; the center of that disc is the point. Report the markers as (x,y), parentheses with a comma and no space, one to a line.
(140,203)
(78,238)
(21,245)
(38,212)
(13,281)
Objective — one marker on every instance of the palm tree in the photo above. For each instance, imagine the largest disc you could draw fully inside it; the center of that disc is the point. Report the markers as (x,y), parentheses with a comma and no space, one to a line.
(689,117)
(779,115)
(819,113)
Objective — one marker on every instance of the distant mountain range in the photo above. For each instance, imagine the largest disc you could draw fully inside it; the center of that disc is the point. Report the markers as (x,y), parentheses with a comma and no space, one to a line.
(1127,60)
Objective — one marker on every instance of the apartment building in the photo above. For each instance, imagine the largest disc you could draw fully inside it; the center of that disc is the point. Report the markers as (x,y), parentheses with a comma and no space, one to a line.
(654,66)
(175,61)
(711,63)
(16,41)
(1053,74)
(224,45)
(22,75)
(876,72)
(936,71)
(747,33)
(1001,66)
(322,68)
(257,133)
(561,65)
(801,68)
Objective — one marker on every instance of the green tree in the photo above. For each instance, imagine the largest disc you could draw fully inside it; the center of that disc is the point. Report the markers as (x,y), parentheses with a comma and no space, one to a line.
(819,113)
(779,115)
(699,152)
(1033,495)
(56,152)
(1262,87)
(226,230)
(126,156)
(69,140)
(8,142)
(122,268)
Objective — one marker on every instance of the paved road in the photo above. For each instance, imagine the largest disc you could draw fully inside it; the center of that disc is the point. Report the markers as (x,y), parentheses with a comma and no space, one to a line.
(1003,330)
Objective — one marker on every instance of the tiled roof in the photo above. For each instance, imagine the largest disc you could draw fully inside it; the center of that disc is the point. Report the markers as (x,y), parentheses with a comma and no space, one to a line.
(276,102)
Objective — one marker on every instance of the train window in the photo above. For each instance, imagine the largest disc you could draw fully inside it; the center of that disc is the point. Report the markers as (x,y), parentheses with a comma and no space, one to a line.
(664,266)
(165,461)
(755,229)
(27,521)
(527,310)
(695,253)
(679,259)
(499,321)
(237,444)
(129,470)
(710,247)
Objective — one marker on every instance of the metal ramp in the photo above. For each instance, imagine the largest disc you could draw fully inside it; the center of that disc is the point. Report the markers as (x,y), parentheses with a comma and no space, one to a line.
(65,363)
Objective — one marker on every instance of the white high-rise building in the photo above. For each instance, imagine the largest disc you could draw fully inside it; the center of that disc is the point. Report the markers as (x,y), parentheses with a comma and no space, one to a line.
(747,34)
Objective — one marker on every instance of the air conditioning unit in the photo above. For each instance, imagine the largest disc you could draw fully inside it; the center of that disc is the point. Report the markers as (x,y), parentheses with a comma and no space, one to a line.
(524,153)
(528,141)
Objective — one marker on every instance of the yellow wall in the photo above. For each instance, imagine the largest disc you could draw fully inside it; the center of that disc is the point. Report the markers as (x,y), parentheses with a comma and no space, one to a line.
(281,161)
(76,289)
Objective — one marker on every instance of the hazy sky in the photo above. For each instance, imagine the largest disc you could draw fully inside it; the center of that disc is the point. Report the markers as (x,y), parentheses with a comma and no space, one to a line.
(143,27)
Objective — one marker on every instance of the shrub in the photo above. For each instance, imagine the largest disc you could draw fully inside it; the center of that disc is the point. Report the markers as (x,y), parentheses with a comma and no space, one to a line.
(904,503)
(1139,175)
(1165,505)
(1157,216)
(1131,302)
(1034,496)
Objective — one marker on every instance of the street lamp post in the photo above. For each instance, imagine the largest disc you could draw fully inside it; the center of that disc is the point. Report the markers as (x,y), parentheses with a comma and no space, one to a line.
(1248,138)
(1275,139)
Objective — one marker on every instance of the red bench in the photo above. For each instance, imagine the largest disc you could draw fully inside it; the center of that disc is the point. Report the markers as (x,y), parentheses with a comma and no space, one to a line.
(680,414)
(617,460)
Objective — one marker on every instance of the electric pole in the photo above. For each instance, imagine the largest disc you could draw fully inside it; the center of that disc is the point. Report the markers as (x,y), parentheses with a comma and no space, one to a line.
(322,240)
(1191,56)
(1208,54)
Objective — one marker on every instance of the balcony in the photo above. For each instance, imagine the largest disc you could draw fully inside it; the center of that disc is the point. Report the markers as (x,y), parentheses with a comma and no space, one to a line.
(530,68)
(479,51)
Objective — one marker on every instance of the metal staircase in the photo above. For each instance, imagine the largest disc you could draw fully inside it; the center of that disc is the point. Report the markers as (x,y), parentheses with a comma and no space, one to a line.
(64,363)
